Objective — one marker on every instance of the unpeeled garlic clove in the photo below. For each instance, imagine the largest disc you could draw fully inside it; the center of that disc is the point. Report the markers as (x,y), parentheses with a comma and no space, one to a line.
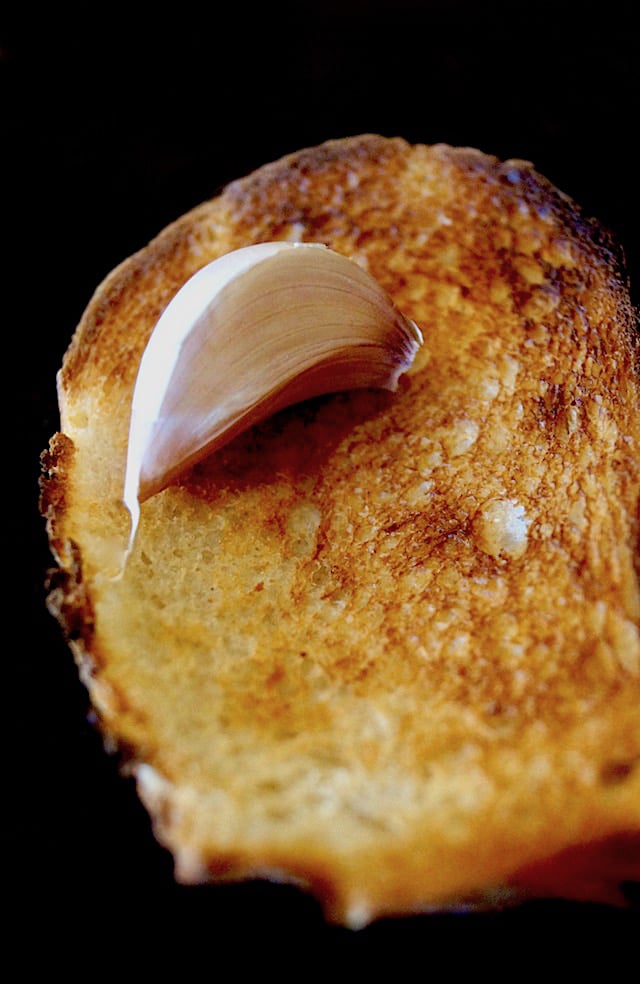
(254,331)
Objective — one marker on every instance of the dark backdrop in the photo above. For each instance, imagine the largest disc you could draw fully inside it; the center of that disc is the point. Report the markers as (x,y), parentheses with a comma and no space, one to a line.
(113,122)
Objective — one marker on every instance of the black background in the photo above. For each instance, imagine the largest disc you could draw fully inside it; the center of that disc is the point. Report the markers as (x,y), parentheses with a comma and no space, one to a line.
(113,122)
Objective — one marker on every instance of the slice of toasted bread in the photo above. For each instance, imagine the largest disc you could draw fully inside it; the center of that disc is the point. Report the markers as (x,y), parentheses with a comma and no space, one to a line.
(383,645)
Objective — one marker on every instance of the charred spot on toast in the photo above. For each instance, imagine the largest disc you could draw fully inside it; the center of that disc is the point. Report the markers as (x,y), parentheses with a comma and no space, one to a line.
(68,600)
(56,463)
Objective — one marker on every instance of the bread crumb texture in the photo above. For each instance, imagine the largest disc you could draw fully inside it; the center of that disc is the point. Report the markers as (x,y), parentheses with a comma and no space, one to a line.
(385,645)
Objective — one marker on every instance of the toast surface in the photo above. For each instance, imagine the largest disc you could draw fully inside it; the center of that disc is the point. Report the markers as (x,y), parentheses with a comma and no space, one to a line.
(384,645)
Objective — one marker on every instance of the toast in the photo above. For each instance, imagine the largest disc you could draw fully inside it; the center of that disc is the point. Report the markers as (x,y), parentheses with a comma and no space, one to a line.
(382,645)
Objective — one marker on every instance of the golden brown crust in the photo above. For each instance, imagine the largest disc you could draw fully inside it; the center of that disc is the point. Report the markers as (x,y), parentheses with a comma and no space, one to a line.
(55,462)
(384,645)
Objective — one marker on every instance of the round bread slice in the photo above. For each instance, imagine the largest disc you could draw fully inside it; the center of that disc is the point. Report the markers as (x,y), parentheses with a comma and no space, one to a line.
(383,645)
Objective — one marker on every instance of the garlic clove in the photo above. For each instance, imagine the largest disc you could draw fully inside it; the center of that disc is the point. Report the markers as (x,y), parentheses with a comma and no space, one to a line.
(256,330)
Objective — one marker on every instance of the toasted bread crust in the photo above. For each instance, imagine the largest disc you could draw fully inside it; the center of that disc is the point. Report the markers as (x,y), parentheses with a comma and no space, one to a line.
(384,645)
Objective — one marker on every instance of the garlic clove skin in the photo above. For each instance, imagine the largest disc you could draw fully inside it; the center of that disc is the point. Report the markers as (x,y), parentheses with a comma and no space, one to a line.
(256,330)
